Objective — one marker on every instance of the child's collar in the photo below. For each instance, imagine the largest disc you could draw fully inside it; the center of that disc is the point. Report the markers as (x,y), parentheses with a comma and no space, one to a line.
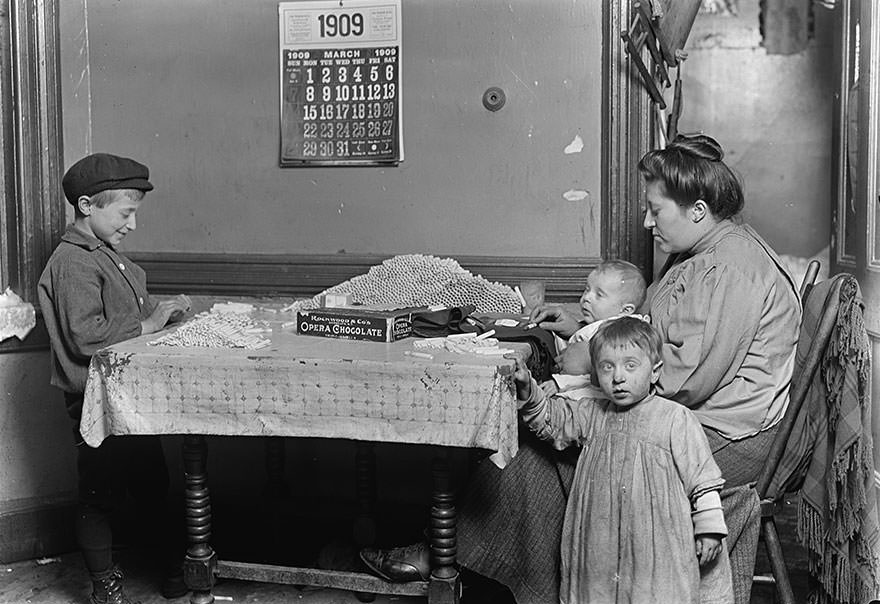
(76,236)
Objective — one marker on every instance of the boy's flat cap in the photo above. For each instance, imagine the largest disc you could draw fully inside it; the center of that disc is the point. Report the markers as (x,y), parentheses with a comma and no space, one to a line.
(101,171)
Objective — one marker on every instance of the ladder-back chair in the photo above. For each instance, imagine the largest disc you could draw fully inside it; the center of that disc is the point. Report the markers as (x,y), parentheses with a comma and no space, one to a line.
(805,368)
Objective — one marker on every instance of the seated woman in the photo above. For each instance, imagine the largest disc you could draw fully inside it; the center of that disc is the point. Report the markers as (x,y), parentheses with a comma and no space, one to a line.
(728,313)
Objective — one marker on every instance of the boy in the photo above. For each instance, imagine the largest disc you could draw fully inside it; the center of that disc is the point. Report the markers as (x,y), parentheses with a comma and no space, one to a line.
(614,288)
(92,297)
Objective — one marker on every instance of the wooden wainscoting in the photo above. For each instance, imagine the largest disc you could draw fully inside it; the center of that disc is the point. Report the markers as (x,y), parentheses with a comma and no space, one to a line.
(304,275)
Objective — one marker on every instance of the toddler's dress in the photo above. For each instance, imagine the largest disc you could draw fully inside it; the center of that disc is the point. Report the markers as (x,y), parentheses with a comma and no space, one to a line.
(628,534)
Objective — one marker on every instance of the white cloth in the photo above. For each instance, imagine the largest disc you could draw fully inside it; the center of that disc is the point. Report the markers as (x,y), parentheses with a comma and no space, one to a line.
(586,333)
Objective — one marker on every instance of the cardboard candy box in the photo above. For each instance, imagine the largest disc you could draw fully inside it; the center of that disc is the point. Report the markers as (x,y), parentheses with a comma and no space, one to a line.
(353,323)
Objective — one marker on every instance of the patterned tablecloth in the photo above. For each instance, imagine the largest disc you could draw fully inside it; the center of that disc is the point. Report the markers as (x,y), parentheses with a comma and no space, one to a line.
(303,386)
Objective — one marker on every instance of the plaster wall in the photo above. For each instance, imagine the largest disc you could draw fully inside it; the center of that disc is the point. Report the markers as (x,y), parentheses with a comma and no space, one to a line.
(36,444)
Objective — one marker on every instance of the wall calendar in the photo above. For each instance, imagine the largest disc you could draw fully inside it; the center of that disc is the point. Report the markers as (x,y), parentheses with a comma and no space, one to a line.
(340,82)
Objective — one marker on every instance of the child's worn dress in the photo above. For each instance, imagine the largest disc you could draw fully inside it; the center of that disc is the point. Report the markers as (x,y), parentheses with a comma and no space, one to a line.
(628,534)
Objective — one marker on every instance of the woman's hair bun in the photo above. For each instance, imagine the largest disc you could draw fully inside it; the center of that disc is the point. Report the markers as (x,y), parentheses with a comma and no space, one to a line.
(699,145)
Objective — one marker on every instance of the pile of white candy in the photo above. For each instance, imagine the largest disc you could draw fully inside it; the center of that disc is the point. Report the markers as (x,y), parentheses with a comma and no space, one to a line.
(217,330)
(419,280)
(464,343)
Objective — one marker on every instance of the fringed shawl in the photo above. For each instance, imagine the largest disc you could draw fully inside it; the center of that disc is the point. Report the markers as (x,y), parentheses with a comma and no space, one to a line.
(829,456)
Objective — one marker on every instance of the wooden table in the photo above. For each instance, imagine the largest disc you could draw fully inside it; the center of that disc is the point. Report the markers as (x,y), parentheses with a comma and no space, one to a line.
(305,386)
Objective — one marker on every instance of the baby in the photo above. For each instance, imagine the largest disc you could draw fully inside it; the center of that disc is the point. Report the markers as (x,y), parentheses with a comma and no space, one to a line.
(614,288)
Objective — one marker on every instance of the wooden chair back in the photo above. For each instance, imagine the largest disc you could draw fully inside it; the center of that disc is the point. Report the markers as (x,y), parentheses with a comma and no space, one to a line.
(805,368)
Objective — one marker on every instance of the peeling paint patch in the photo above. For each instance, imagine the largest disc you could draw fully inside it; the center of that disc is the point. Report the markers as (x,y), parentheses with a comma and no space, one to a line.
(575,195)
(575,146)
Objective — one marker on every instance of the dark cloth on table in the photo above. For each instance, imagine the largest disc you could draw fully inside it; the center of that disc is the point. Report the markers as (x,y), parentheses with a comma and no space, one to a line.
(510,525)
(439,323)
(542,358)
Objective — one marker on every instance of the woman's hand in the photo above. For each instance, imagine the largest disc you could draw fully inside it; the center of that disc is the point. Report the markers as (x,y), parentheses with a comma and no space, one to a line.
(556,319)
(708,548)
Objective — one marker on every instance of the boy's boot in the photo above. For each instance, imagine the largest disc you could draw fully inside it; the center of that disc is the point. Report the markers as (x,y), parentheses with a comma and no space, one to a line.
(107,588)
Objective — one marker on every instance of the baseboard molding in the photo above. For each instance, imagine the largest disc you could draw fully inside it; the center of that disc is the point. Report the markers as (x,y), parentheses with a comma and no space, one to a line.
(304,275)
(36,529)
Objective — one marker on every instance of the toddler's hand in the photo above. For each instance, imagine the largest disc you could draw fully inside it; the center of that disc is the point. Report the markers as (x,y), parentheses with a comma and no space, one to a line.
(522,378)
(708,548)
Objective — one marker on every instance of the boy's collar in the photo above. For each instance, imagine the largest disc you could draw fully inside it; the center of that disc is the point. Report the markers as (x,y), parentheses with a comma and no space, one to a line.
(77,236)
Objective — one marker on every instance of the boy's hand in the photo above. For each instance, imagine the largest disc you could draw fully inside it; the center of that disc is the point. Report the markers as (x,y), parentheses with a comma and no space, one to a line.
(708,548)
(176,315)
(556,319)
(522,378)
(163,312)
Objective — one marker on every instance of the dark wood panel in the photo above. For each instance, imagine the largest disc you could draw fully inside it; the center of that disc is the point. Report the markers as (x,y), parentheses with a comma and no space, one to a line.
(42,528)
(626,137)
(32,209)
(307,274)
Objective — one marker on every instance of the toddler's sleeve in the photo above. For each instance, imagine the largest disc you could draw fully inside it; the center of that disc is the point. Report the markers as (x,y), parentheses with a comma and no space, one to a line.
(690,449)
(707,515)
(561,421)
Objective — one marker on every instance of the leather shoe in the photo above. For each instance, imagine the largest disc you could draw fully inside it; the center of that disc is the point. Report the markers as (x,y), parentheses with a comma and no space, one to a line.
(399,565)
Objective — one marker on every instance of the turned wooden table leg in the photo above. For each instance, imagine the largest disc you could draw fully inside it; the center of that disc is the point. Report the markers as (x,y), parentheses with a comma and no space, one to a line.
(201,561)
(445,584)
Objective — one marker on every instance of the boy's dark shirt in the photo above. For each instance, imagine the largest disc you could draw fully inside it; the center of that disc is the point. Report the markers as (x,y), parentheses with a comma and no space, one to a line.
(91,297)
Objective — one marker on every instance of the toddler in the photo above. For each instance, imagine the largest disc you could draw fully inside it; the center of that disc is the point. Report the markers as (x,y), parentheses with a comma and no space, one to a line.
(644,513)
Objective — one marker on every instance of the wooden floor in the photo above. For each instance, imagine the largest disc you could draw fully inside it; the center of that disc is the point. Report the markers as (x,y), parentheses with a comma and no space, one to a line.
(63,580)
